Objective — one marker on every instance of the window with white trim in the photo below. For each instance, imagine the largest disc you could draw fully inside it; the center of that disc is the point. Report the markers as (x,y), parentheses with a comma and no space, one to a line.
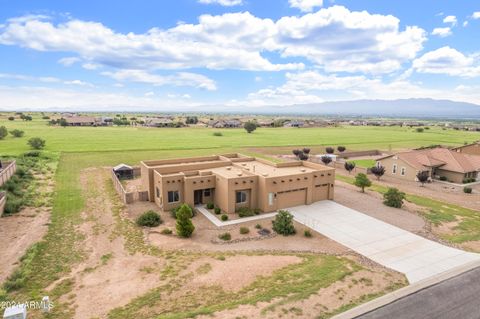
(403,171)
(394,169)
(241,197)
(173,197)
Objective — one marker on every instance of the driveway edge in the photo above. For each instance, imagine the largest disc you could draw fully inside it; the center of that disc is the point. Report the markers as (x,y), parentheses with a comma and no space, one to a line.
(406,291)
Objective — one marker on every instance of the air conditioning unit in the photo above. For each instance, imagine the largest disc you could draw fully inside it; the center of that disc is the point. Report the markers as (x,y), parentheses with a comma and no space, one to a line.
(15,312)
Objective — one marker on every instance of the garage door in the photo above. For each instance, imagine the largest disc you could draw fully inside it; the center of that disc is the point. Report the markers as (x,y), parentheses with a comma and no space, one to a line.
(291,198)
(320,192)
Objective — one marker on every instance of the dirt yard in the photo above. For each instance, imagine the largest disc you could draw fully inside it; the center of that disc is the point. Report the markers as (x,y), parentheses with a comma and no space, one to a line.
(17,233)
(112,276)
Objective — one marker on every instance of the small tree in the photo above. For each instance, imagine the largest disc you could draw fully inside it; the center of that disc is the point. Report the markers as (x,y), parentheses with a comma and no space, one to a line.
(296,152)
(423,177)
(17,133)
(250,126)
(329,150)
(378,171)
(393,198)
(349,166)
(362,181)
(36,143)
(326,159)
(306,150)
(303,156)
(283,223)
(62,122)
(341,149)
(11,118)
(184,224)
(419,129)
(3,132)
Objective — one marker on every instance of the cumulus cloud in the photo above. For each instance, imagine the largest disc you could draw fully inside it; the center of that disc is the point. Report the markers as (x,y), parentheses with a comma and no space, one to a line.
(178,79)
(442,32)
(476,15)
(447,60)
(305,5)
(68,61)
(225,3)
(450,19)
(333,38)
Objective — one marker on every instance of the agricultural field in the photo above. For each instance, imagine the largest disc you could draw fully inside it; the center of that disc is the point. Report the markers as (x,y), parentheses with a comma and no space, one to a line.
(91,240)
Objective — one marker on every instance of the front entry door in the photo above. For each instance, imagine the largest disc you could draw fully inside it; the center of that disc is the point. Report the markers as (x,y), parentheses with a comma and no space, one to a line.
(197,197)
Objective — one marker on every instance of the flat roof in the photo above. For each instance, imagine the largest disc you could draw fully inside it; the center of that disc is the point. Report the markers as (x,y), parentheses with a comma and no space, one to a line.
(230,172)
(260,168)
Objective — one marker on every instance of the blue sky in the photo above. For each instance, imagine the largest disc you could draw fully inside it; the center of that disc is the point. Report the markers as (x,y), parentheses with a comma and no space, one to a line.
(169,55)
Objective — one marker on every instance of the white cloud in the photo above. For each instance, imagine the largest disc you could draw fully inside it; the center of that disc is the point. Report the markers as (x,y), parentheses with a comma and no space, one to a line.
(449,61)
(465,23)
(178,79)
(305,5)
(79,83)
(225,3)
(333,38)
(149,93)
(442,32)
(91,66)
(476,15)
(69,61)
(450,19)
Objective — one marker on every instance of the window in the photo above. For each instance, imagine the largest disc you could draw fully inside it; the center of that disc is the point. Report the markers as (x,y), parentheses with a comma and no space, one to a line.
(158,192)
(206,193)
(270,198)
(241,197)
(394,169)
(403,171)
(173,196)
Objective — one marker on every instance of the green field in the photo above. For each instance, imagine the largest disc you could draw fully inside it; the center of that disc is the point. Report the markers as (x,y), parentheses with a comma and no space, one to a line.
(99,139)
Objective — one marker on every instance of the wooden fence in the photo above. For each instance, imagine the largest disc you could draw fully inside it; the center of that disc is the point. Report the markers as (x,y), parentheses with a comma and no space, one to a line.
(7,171)
(3,200)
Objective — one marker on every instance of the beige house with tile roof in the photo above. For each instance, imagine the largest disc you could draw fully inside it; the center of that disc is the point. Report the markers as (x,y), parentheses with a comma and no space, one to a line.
(438,162)
(232,181)
(472,149)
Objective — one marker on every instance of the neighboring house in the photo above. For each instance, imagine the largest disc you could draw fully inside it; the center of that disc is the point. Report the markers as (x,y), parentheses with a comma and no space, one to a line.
(80,120)
(294,124)
(438,162)
(123,171)
(104,121)
(158,122)
(234,123)
(472,149)
(232,181)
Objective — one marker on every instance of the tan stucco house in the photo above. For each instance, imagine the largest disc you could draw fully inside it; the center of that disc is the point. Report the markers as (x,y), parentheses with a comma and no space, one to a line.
(438,162)
(472,149)
(232,181)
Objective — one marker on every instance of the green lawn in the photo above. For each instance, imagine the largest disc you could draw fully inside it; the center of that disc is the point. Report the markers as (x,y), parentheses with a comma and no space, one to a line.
(99,139)
(365,163)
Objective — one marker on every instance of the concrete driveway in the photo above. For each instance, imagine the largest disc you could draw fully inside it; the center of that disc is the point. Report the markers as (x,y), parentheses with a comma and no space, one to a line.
(418,258)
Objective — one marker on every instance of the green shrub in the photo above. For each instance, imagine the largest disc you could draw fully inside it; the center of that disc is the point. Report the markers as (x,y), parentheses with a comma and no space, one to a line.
(184,224)
(307,233)
(393,198)
(467,190)
(17,133)
(166,231)
(283,223)
(12,205)
(258,226)
(245,212)
(217,134)
(225,236)
(217,210)
(210,205)
(36,143)
(420,129)
(32,154)
(224,217)
(244,230)
(149,219)
(468,180)
(173,212)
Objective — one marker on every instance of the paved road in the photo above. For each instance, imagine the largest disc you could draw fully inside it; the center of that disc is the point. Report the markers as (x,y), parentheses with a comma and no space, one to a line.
(456,298)
(418,258)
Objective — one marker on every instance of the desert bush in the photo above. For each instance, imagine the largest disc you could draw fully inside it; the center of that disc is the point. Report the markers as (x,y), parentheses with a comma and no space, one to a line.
(468,180)
(393,198)
(149,218)
(210,205)
(36,143)
(247,212)
(423,177)
(184,224)
(224,217)
(467,190)
(225,236)
(307,233)
(329,150)
(341,149)
(250,126)
(326,159)
(283,223)
(378,171)
(419,130)
(217,210)
(32,154)
(11,118)
(17,133)
(3,132)
(258,226)
(349,166)
(244,230)
(217,134)
(166,231)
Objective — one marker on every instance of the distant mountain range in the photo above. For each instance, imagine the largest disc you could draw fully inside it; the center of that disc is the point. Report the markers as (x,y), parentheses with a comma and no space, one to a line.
(423,108)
